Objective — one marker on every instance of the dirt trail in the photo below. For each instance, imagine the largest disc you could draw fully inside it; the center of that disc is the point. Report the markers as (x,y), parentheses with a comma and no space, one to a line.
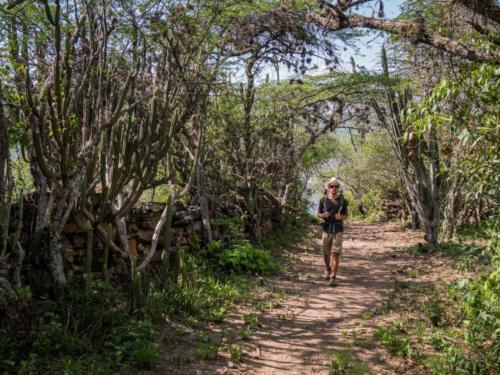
(299,336)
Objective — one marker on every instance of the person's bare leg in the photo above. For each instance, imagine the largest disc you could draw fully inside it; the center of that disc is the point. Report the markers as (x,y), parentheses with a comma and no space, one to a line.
(326,257)
(335,264)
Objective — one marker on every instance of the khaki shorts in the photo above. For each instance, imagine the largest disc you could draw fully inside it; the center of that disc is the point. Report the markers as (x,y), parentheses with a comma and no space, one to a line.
(332,243)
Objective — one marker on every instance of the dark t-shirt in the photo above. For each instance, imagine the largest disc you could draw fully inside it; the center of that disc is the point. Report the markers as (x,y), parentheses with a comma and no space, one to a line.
(334,206)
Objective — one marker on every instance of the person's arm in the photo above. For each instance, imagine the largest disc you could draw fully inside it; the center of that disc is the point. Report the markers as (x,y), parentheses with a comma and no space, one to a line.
(322,213)
(342,214)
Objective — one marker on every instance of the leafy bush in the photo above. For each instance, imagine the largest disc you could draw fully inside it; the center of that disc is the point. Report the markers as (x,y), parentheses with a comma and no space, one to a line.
(236,352)
(481,306)
(239,257)
(434,311)
(243,257)
(134,344)
(96,306)
(7,354)
(206,351)
(389,337)
(341,361)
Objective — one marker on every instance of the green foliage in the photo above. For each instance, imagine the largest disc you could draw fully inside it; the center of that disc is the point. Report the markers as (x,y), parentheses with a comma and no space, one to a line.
(461,321)
(135,343)
(341,361)
(369,169)
(236,352)
(95,335)
(469,107)
(97,306)
(244,257)
(480,301)
(433,311)
(233,226)
(390,337)
(50,337)
(251,320)
(245,333)
(8,356)
(209,299)
(208,351)
(239,256)
(466,257)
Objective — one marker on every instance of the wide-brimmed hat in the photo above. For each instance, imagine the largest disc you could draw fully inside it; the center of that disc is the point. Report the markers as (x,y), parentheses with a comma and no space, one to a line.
(333,179)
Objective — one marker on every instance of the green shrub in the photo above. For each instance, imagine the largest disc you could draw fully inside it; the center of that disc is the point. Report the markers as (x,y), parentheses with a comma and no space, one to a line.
(389,338)
(206,351)
(245,333)
(50,337)
(454,361)
(434,311)
(97,306)
(481,306)
(8,353)
(341,361)
(239,257)
(134,344)
(236,353)
(144,355)
(234,227)
(243,257)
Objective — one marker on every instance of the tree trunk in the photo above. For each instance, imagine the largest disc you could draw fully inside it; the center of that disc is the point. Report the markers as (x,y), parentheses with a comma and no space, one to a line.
(64,207)
(6,183)
(202,199)
(166,256)
(450,210)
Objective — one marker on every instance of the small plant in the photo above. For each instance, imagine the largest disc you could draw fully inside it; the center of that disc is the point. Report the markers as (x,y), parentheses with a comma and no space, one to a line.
(245,333)
(208,352)
(251,320)
(437,341)
(243,257)
(144,355)
(203,336)
(236,352)
(360,368)
(24,293)
(411,273)
(341,361)
(388,337)
(420,331)
(434,312)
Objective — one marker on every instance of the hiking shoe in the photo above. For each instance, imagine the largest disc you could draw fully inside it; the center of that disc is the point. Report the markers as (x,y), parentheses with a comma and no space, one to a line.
(327,275)
(333,282)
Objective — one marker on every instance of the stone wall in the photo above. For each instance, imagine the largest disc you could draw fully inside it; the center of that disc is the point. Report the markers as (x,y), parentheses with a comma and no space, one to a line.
(187,232)
(186,229)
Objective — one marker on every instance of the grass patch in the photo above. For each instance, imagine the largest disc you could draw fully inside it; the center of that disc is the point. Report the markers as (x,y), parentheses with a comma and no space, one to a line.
(208,352)
(236,353)
(391,338)
(343,362)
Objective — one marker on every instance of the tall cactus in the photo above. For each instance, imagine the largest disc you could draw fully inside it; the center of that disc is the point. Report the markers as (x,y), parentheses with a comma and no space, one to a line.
(418,158)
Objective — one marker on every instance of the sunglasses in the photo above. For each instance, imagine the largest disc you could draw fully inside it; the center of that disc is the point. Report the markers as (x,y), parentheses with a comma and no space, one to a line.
(333,186)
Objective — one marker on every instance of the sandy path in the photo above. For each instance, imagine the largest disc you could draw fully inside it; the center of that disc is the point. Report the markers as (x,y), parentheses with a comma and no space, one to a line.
(299,336)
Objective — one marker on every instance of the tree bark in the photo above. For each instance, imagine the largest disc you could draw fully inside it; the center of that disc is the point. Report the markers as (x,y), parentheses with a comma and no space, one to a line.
(202,199)
(450,211)
(6,182)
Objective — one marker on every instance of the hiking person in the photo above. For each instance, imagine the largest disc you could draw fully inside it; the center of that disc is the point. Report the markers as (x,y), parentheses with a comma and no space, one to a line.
(333,210)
